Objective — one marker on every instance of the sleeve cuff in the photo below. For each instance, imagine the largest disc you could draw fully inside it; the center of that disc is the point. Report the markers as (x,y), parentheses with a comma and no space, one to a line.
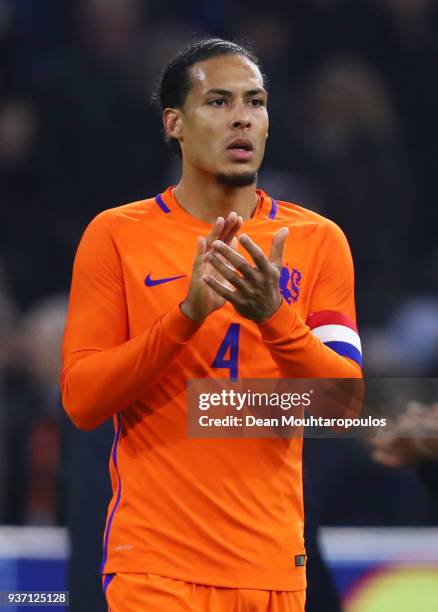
(179,327)
(279,325)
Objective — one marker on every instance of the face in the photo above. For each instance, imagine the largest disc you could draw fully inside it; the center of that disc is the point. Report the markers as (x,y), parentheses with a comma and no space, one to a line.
(222,127)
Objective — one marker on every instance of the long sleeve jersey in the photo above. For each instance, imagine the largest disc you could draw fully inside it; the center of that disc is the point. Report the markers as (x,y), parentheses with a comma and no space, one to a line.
(225,512)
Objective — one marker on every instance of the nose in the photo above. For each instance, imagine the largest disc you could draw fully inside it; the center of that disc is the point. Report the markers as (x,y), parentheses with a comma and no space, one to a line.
(242,118)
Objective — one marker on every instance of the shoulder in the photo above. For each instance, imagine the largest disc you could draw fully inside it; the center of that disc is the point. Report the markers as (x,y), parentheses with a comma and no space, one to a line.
(104,232)
(120,221)
(114,220)
(291,214)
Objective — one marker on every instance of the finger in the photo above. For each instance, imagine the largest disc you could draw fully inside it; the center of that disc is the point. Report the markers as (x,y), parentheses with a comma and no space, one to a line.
(220,288)
(414,408)
(388,459)
(230,220)
(255,251)
(202,245)
(409,426)
(232,225)
(216,231)
(381,443)
(199,257)
(234,244)
(234,258)
(277,247)
(227,272)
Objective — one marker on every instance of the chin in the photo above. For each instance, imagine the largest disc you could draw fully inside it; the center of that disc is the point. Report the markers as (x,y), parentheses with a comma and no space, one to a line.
(237,179)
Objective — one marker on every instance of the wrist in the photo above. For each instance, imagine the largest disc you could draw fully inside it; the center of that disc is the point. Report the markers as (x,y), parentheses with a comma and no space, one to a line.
(272,312)
(189,312)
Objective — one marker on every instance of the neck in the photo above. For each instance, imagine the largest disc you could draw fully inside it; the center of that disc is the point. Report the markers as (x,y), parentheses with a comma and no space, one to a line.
(206,199)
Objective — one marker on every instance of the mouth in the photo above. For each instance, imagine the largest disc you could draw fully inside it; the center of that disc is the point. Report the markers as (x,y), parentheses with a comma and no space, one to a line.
(240,149)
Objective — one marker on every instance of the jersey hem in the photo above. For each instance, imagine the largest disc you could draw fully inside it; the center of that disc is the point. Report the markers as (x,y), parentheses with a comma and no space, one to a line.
(265,582)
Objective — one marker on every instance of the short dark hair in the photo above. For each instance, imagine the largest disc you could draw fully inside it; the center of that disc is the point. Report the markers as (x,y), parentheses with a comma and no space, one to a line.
(174,85)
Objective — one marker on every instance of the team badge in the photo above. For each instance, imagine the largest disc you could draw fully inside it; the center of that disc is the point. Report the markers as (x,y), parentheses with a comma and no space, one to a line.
(290,284)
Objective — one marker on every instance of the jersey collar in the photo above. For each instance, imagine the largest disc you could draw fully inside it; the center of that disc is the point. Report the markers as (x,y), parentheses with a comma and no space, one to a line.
(266,208)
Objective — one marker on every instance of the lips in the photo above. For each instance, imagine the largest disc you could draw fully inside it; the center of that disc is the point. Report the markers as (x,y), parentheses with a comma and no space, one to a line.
(240,149)
(241,143)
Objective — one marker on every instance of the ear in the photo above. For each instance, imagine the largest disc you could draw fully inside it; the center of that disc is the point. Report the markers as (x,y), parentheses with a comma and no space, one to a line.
(173,123)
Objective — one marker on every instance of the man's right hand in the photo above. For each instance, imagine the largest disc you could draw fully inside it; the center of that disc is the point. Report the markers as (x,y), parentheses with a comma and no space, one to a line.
(201,300)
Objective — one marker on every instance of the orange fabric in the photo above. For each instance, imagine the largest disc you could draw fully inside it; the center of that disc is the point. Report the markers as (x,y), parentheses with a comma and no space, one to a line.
(219,512)
(140,592)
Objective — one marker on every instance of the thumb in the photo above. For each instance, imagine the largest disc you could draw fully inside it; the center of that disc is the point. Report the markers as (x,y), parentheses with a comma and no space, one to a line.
(277,247)
(199,257)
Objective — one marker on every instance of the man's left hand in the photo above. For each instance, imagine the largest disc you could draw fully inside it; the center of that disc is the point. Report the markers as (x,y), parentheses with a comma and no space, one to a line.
(256,293)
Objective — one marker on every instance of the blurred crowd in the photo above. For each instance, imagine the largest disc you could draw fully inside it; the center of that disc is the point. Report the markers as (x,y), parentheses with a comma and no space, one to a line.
(354,132)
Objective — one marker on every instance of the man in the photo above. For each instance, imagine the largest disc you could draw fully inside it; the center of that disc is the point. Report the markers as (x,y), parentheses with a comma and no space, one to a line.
(163,292)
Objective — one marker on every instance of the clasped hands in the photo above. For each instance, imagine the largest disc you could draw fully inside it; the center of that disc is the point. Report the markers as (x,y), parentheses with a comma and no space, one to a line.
(221,274)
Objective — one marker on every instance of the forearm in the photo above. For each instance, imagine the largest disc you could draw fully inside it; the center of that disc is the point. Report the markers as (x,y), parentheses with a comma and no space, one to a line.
(298,353)
(96,384)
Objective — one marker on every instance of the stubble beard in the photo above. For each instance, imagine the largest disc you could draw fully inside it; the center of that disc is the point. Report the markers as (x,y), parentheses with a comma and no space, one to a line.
(234,179)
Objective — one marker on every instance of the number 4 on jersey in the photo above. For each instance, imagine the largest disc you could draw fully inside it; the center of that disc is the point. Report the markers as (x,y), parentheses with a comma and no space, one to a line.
(230,344)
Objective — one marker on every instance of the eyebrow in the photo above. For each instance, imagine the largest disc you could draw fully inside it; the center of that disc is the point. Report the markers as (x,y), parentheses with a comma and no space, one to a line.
(225,92)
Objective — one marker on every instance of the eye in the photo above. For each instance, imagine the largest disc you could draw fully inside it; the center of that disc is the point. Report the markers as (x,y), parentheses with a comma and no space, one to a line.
(256,102)
(217,102)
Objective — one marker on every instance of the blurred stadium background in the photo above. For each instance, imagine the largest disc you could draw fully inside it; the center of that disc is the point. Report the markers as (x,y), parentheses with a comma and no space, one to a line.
(354,132)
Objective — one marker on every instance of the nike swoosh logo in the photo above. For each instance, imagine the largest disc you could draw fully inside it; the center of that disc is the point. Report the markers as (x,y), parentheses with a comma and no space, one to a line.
(149,282)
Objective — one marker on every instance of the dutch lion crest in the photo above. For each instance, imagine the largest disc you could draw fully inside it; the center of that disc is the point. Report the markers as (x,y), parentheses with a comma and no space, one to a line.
(290,281)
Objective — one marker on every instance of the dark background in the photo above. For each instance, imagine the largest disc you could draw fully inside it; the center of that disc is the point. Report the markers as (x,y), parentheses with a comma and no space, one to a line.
(353,102)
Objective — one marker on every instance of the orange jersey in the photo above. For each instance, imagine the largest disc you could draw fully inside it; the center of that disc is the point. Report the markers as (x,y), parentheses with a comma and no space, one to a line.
(140,592)
(225,512)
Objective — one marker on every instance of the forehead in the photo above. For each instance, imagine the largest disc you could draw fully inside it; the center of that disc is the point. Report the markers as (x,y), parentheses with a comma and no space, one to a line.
(230,72)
